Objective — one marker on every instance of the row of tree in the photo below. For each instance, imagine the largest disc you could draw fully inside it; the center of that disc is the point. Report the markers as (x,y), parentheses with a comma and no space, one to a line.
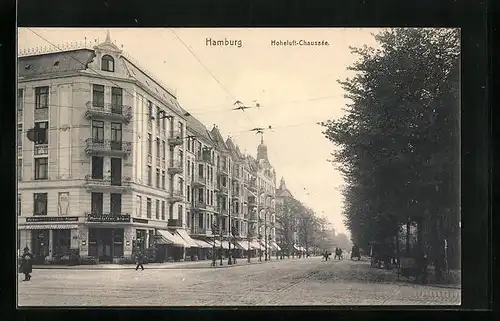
(398,144)
(301,226)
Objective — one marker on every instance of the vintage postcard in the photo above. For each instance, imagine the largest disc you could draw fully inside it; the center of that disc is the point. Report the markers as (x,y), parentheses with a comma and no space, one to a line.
(238,167)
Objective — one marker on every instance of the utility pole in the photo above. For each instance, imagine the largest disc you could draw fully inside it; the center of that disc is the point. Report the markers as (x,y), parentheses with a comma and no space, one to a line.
(265,235)
(229,229)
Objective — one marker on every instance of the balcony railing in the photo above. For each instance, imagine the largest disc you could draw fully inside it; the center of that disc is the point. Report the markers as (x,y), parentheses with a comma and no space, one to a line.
(109,112)
(199,181)
(252,186)
(202,157)
(252,202)
(176,196)
(200,205)
(121,184)
(174,223)
(175,167)
(195,230)
(107,147)
(175,138)
(223,189)
(41,149)
(97,217)
(223,169)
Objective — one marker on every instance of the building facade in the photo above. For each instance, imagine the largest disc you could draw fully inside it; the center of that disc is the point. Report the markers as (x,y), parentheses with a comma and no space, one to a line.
(109,163)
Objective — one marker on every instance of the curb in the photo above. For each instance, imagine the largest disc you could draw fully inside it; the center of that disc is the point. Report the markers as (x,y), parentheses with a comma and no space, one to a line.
(132,267)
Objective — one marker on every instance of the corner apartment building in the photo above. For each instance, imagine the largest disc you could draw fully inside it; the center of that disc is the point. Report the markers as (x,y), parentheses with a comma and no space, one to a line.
(106,169)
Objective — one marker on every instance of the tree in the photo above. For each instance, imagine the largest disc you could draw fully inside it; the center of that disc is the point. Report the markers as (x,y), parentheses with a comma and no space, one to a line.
(398,142)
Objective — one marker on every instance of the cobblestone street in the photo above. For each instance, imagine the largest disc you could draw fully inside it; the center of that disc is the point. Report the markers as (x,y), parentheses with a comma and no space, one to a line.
(287,282)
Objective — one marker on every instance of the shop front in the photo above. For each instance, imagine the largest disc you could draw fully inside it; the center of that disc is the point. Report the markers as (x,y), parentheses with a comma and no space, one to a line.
(48,238)
(192,248)
(170,246)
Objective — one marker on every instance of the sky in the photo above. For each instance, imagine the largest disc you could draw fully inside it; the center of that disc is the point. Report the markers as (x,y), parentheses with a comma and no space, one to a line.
(296,87)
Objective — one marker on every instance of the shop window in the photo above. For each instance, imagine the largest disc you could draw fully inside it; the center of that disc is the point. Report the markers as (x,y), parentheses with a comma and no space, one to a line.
(118,242)
(157,209)
(61,242)
(42,97)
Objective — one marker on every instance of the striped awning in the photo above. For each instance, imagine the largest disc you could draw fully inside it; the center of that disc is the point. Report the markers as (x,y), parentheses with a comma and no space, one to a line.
(255,245)
(225,245)
(170,239)
(203,244)
(264,244)
(49,227)
(276,246)
(185,236)
(242,245)
(296,247)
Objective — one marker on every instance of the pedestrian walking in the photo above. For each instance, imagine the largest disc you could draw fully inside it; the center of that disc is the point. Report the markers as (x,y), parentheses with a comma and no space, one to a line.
(26,264)
(139,261)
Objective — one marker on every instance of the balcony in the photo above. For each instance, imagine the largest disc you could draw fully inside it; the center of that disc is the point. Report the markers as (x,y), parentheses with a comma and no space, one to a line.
(200,205)
(107,147)
(223,190)
(175,138)
(223,211)
(95,217)
(111,112)
(41,149)
(107,184)
(195,230)
(204,157)
(175,167)
(199,181)
(174,223)
(252,186)
(223,170)
(176,196)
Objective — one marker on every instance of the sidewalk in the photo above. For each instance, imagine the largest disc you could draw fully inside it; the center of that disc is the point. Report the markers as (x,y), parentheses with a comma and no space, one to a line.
(204,264)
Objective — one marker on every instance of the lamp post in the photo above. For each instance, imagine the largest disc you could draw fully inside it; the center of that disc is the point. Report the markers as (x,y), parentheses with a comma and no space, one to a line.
(260,247)
(233,233)
(248,239)
(265,236)
(229,262)
(221,248)
(214,233)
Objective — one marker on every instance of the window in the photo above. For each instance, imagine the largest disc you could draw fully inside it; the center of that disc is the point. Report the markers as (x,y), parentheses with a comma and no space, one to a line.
(98,96)
(157,209)
(158,118)
(20,136)
(96,203)
(41,97)
(116,204)
(150,111)
(97,167)
(200,195)
(189,167)
(181,156)
(163,178)
(181,186)
(116,136)
(116,100)
(18,204)
(200,220)
(200,170)
(150,144)
(163,210)
(157,149)
(188,195)
(138,206)
(180,127)
(97,131)
(41,168)
(158,178)
(150,176)
(40,204)
(19,169)
(41,130)
(163,148)
(179,215)
(164,124)
(20,99)
(148,208)
(107,63)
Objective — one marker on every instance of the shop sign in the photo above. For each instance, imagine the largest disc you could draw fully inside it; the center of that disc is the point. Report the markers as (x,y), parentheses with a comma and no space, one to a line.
(140,220)
(51,219)
(108,218)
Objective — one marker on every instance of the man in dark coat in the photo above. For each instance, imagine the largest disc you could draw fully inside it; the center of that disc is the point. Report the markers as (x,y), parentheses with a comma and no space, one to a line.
(139,260)
(26,264)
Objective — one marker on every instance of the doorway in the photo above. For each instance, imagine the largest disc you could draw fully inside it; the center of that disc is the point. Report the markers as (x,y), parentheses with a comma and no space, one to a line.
(40,245)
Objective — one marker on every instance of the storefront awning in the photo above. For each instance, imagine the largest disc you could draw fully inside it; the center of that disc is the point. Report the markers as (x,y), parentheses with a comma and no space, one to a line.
(203,244)
(49,227)
(242,245)
(185,236)
(170,239)
(225,245)
(296,247)
(255,245)
(276,246)
(264,244)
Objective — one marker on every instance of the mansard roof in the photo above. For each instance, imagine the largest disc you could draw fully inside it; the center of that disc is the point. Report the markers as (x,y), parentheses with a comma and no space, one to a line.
(200,130)
(54,63)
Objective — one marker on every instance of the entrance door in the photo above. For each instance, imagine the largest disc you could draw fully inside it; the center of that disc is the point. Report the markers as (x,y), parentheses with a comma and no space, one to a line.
(116,171)
(104,245)
(40,245)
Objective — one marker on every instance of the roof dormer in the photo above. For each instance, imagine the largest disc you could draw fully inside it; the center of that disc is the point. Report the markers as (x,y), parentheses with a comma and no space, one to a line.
(107,55)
